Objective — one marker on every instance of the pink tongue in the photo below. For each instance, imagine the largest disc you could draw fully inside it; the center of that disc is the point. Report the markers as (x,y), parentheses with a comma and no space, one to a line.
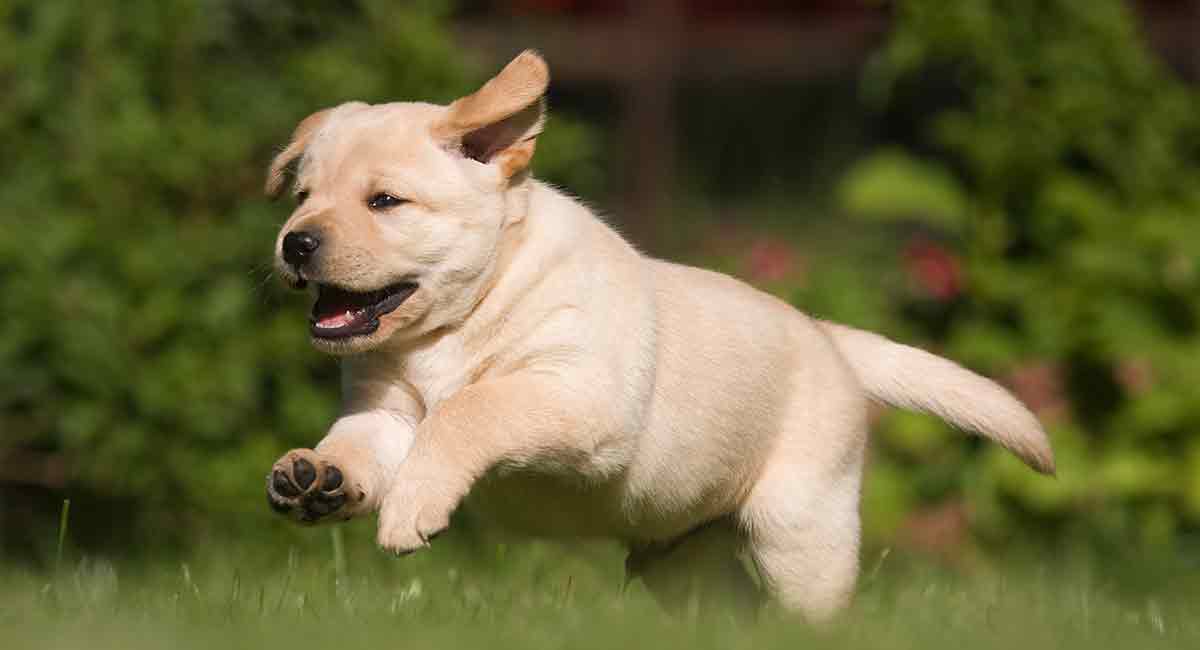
(338,320)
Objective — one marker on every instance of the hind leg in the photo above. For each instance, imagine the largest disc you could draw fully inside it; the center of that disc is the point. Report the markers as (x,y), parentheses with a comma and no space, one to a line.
(803,521)
(808,561)
(701,575)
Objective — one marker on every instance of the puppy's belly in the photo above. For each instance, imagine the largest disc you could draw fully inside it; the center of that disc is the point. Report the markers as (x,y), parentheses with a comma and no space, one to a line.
(547,505)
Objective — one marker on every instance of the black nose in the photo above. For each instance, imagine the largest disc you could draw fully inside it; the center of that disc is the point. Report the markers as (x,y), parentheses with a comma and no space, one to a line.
(298,247)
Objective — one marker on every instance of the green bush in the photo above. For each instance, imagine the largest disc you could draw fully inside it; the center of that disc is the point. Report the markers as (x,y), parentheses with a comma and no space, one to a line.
(1053,185)
(1057,172)
(143,341)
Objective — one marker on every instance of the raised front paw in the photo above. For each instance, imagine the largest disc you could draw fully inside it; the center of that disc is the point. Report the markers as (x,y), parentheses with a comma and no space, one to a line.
(410,519)
(309,487)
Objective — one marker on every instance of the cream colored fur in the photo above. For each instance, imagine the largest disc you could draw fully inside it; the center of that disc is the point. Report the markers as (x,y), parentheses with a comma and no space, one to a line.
(564,384)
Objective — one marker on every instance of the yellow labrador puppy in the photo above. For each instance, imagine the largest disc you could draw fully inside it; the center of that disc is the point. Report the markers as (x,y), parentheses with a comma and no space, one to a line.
(501,344)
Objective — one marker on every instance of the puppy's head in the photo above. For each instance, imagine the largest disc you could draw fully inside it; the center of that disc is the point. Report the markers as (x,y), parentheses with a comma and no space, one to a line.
(400,208)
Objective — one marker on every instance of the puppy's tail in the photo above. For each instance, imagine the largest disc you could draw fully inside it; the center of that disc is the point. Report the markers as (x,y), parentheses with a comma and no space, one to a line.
(909,378)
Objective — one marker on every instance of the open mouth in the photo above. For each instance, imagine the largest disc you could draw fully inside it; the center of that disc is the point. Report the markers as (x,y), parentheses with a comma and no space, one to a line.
(340,314)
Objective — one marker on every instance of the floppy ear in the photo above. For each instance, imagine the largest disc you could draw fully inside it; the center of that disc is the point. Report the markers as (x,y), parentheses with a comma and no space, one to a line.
(499,123)
(277,173)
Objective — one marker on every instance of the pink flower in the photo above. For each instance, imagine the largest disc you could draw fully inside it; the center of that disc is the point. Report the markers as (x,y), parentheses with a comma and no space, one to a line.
(1040,385)
(934,269)
(770,260)
(1135,375)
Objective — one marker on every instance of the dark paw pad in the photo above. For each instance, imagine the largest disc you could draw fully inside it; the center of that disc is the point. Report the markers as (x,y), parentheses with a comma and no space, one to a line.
(304,473)
(308,490)
(333,479)
(283,485)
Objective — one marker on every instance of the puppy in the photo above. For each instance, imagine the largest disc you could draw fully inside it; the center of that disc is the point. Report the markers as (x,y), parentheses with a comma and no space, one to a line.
(502,345)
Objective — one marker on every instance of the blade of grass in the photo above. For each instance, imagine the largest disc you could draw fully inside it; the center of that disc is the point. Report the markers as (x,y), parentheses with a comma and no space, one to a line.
(339,559)
(236,594)
(50,589)
(293,561)
(63,519)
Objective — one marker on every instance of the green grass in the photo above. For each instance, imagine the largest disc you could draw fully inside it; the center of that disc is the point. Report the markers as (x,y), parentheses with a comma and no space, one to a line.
(326,591)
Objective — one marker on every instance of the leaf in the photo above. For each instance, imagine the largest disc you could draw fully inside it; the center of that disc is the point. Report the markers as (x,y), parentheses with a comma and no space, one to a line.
(894,186)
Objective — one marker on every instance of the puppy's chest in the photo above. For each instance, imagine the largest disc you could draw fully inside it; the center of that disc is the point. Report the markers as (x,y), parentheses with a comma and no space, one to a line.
(437,371)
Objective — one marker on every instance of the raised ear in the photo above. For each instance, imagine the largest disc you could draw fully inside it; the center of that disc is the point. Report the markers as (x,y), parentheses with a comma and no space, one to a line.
(499,123)
(277,173)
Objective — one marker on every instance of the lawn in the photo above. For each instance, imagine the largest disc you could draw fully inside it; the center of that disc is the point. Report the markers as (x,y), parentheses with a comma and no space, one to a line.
(324,589)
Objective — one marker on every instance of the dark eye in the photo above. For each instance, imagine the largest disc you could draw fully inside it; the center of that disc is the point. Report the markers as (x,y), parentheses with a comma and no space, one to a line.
(301,197)
(383,201)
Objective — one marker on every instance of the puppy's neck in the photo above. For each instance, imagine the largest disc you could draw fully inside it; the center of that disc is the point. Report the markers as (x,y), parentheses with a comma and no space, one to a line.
(513,234)
(516,199)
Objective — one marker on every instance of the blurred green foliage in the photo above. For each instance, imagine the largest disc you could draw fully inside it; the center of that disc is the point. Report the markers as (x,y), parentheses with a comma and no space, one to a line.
(143,342)
(1043,186)
(1055,186)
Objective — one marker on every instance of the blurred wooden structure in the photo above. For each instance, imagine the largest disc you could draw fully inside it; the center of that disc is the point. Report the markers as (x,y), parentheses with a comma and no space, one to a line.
(644,49)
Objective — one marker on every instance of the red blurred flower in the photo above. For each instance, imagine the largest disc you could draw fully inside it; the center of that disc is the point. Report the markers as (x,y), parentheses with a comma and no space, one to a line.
(940,530)
(935,270)
(770,260)
(1135,375)
(1041,387)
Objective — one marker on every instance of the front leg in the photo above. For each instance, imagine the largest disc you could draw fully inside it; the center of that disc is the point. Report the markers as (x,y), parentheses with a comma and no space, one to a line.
(522,421)
(346,474)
